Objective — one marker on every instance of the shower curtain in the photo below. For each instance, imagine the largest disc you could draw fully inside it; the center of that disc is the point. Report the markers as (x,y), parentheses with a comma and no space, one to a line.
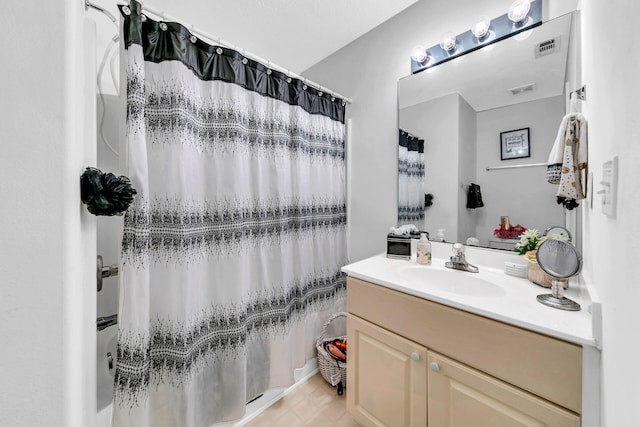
(232,249)
(410,180)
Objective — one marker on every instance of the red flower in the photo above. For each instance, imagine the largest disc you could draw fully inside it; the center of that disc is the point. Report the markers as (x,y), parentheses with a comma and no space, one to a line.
(509,233)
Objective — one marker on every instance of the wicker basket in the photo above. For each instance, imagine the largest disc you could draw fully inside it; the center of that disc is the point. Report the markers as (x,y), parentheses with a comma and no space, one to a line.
(332,370)
(536,275)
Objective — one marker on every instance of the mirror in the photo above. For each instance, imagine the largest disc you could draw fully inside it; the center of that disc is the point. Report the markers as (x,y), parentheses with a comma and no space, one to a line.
(471,113)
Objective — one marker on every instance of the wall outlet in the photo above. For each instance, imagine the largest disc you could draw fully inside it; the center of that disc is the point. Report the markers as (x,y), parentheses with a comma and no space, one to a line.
(609,185)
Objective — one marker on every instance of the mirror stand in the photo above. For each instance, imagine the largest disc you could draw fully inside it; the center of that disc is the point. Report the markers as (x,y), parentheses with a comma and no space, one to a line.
(556,299)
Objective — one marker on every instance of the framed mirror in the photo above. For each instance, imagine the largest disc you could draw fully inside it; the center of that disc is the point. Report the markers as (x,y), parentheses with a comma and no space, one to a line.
(490,118)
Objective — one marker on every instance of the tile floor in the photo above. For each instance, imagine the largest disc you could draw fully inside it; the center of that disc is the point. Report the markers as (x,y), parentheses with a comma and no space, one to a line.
(312,403)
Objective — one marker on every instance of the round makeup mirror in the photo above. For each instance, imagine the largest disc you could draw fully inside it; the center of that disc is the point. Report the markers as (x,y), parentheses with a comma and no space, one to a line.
(560,260)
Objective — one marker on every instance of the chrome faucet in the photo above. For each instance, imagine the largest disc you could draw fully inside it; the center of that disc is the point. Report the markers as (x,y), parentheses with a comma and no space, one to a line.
(458,260)
(105,322)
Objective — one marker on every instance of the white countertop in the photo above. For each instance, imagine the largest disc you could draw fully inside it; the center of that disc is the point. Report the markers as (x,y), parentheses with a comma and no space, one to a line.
(512,300)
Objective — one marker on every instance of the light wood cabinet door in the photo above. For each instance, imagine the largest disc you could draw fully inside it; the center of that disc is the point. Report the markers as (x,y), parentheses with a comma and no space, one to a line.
(460,396)
(386,377)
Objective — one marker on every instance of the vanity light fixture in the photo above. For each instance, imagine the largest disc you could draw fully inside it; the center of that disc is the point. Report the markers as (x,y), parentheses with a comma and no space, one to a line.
(448,42)
(481,27)
(522,16)
(419,54)
(523,35)
(519,10)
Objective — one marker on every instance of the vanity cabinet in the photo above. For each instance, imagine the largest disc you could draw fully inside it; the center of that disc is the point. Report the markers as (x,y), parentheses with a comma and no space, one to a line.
(414,362)
(460,396)
(389,374)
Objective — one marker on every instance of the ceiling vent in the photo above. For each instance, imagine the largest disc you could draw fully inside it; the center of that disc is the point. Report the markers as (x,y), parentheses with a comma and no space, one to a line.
(521,89)
(547,47)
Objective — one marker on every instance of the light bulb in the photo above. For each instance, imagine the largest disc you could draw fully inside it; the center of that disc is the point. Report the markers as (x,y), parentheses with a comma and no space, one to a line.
(481,27)
(519,10)
(448,41)
(419,54)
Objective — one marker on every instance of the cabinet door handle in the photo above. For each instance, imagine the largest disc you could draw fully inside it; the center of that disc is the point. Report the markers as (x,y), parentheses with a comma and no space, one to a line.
(434,367)
(415,356)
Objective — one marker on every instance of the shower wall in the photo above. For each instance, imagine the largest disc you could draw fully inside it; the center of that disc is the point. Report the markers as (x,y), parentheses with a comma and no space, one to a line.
(109,231)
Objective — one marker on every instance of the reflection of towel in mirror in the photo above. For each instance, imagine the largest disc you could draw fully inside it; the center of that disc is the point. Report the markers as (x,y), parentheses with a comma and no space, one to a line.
(474,197)
(567,164)
(403,230)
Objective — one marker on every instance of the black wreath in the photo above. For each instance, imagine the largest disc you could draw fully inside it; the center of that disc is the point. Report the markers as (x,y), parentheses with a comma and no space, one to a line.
(104,193)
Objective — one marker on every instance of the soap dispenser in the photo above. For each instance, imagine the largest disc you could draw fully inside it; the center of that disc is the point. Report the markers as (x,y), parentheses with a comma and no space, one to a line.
(423,250)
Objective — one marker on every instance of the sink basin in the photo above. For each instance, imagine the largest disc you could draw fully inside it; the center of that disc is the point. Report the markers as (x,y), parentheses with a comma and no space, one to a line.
(452,281)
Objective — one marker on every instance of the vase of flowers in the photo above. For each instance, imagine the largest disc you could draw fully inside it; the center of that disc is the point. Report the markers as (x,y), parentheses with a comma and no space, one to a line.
(506,231)
(528,245)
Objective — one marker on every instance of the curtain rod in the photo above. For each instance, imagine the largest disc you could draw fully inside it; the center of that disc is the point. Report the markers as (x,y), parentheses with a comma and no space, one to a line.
(217,40)
(529,165)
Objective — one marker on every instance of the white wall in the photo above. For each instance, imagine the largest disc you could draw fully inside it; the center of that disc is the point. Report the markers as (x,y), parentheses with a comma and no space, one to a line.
(437,122)
(105,31)
(368,71)
(448,126)
(522,194)
(467,159)
(47,320)
(109,229)
(109,232)
(610,71)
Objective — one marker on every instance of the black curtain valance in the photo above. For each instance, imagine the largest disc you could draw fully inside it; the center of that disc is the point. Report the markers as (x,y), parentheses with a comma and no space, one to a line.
(410,142)
(171,41)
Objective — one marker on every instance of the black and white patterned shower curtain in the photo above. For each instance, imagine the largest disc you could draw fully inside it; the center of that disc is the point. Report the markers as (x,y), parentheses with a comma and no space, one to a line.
(232,250)
(410,180)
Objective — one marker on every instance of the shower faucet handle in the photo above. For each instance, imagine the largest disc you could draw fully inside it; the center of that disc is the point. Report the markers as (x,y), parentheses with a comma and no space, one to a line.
(103,272)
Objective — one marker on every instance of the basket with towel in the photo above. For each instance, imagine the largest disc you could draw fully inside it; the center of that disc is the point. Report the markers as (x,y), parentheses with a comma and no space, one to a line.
(332,356)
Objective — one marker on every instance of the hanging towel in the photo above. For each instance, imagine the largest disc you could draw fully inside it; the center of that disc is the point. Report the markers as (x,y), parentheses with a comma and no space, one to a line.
(474,197)
(567,164)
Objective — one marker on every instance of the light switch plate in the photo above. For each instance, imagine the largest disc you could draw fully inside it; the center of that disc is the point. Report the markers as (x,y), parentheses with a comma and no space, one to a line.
(609,185)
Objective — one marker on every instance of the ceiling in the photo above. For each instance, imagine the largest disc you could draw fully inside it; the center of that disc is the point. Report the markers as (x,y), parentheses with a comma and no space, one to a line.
(294,34)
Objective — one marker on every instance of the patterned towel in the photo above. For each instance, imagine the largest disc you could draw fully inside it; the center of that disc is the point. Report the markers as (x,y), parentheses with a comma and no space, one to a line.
(567,164)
